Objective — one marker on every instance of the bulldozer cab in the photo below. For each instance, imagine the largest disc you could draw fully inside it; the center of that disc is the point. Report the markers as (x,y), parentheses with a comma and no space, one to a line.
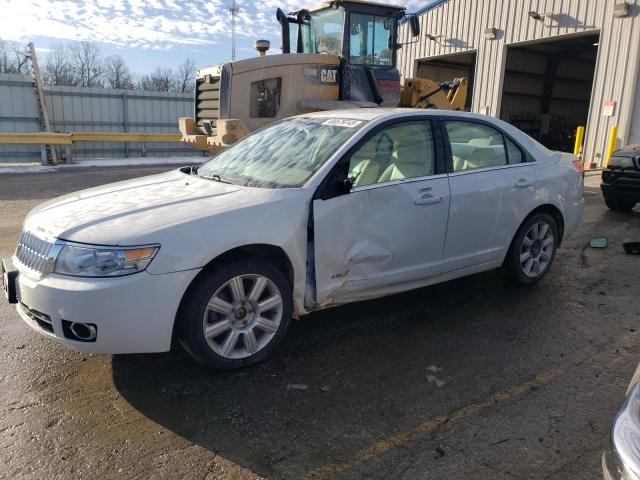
(364,37)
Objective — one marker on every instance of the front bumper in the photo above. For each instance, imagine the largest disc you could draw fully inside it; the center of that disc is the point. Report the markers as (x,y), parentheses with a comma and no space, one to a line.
(621,461)
(132,314)
(622,185)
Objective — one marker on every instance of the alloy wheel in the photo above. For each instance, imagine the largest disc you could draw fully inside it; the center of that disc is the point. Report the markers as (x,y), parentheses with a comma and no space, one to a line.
(537,249)
(242,316)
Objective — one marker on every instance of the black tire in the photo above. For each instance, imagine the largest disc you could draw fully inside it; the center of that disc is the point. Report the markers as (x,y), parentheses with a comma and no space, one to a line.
(619,205)
(512,266)
(192,310)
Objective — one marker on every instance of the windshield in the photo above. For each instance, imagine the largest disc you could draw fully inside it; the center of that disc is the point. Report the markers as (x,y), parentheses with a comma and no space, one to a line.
(281,155)
(322,32)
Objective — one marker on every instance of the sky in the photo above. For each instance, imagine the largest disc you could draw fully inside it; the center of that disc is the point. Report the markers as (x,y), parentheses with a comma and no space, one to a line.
(151,33)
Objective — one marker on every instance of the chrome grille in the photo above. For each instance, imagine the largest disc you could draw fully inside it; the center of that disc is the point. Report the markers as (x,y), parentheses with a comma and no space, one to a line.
(34,253)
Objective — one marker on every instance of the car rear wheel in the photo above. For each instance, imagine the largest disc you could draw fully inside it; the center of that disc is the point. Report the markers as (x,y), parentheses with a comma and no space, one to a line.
(532,250)
(619,205)
(236,315)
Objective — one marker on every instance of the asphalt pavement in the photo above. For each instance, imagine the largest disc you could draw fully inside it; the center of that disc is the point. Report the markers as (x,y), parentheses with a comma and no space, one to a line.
(470,379)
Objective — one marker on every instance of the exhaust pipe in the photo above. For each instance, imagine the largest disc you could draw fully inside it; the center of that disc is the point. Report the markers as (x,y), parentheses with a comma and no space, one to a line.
(284,23)
(84,331)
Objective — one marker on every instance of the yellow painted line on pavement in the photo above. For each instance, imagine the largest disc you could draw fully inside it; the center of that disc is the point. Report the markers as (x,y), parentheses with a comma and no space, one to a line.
(430,425)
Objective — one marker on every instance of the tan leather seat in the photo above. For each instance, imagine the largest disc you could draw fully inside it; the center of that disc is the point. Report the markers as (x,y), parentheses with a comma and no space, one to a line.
(458,163)
(412,156)
(366,168)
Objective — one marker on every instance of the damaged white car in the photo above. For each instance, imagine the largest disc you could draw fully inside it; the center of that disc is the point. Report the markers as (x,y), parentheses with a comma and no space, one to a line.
(310,212)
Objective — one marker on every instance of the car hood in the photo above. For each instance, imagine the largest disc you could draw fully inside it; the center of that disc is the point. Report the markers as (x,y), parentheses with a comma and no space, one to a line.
(130,212)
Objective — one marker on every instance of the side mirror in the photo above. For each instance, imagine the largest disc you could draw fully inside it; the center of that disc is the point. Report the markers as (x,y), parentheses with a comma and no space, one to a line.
(414,24)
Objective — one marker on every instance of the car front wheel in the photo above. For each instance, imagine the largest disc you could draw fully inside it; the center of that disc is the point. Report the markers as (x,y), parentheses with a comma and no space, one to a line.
(236,315)
(533,249)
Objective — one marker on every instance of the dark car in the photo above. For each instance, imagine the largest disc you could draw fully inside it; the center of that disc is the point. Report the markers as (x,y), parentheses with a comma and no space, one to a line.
(621,179)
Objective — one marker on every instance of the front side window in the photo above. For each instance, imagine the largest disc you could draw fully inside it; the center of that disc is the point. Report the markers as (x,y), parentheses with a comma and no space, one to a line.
(398,152)
(474,145)
(285,154)
(370,39)
(322,32)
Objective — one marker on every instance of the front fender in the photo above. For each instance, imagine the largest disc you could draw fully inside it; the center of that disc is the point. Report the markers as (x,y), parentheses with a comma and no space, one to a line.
(281,223)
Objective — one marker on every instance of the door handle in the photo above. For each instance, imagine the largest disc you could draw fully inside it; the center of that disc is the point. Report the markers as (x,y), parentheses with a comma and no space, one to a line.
(428,200)
(523,182)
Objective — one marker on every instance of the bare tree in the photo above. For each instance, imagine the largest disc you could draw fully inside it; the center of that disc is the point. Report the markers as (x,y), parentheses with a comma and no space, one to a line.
(22,63)
(13,58)
(185,76)
(117,74)
(58,69)
(87,64)
(161,80)
(6,63)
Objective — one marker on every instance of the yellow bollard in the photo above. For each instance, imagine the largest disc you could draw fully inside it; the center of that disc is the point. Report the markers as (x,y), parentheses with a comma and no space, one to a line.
(613,137)
(579,138)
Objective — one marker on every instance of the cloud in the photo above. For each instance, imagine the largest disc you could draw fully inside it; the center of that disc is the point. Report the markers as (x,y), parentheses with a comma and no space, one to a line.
(149,24)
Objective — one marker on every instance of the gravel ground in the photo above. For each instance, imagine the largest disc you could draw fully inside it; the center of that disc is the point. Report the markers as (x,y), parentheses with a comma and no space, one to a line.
(532,378)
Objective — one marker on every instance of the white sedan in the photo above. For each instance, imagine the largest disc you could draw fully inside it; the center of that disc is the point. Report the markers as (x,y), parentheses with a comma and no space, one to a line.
(313,211)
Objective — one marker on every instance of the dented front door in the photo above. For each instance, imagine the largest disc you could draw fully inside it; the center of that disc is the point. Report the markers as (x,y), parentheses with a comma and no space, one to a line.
(379,239)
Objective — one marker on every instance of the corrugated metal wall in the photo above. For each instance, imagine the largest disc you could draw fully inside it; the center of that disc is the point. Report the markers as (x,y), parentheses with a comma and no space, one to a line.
(634,130)
(459,26)
(75,109)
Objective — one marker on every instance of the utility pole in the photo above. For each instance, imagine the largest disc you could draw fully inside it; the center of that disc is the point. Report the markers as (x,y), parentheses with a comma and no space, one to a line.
(41,99)
(233,9)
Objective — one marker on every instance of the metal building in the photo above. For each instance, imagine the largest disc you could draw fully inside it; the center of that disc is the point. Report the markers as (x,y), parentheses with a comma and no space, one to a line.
(546,66)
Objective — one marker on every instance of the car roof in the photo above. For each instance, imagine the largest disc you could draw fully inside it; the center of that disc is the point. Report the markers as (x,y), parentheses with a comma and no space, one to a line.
(370,114)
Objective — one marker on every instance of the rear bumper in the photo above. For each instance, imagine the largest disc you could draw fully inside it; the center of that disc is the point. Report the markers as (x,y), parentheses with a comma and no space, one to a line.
(573,215)
(132,314)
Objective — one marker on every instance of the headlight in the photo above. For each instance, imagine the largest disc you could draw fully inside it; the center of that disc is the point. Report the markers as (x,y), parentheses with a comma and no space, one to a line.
(620,162)
(96,261)
(624,456)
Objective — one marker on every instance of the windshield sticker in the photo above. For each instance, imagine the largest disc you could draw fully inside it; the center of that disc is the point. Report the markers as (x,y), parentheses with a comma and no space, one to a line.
(342,122)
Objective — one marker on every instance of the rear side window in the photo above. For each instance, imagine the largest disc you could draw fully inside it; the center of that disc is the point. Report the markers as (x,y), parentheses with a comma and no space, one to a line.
(474,145)
(514,154)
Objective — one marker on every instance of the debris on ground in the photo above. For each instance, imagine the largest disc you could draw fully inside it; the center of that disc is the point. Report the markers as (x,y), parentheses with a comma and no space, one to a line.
(433,379)
(324,388)
(632,248)
(599,242)
(297,386)
(433,368)
(440,452)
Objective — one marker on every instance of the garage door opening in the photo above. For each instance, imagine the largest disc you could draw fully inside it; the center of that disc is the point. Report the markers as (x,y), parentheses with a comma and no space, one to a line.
(445,69)
(547,89)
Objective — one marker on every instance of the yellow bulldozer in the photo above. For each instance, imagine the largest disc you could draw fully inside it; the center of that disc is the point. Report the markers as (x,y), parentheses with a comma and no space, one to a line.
(345,56)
